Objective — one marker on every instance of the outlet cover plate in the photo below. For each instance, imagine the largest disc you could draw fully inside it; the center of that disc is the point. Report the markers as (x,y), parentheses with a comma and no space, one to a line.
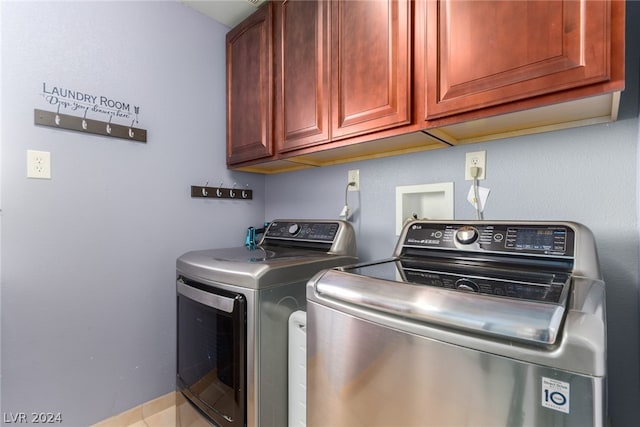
(354,176)
(475,158)
(38,164)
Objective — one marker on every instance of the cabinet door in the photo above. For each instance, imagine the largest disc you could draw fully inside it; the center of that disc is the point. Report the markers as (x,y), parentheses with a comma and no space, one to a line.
(371,42)
(484,53)
(302,74)
(249,88)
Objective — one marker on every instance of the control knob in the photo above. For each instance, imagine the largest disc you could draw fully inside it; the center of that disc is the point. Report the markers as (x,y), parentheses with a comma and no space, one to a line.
(466,235)
(466,285)
(294,229)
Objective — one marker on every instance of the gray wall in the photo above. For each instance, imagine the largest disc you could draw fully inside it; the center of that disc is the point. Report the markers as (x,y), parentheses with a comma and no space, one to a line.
(88,258)
(586,175)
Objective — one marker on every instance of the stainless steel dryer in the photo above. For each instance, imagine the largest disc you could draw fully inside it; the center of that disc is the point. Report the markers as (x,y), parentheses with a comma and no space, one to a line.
(469,324)
(233,310)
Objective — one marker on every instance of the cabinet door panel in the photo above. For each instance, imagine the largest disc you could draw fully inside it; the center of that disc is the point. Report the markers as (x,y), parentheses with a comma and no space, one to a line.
(249,88)
(484,53)
(302,73)
(370,73)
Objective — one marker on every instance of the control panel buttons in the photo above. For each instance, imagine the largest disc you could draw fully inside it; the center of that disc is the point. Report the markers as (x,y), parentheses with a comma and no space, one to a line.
(527,239)
(303,231)
(466,235)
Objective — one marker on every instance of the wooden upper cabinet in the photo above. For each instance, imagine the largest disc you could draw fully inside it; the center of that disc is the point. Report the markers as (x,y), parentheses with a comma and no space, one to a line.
(316,82)
(485,53)
(370,72)
(249,88)
(302,74)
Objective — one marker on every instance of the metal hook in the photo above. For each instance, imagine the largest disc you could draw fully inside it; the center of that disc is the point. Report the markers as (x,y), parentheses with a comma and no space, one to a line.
(218,192)
(84,119)
(244,193)
(131,134)
(232,193)
(109,125)
(57,119)
(205,193)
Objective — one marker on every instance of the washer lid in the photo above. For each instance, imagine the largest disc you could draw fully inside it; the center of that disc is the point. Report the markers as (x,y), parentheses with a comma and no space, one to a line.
(259,268)
(442,298)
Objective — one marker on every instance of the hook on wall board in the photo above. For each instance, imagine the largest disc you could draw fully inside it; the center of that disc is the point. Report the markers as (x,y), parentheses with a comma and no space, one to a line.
(82,124)
(221,192)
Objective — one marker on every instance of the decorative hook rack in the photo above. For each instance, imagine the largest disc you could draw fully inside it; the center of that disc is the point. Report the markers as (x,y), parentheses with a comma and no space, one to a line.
(221,192)
(82,124)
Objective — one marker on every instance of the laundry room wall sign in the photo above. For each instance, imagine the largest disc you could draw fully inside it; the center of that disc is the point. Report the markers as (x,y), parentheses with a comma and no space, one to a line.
(91,113)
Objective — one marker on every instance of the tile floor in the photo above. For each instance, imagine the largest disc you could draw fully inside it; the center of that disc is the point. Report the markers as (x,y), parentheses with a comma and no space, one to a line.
(160,412)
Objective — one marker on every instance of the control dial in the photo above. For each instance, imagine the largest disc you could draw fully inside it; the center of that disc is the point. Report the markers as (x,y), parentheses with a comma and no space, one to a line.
(294,229)
(466,235)
(466,285)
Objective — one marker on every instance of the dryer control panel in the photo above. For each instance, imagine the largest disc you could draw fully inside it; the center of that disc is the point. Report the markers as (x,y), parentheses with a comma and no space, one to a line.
(313,231)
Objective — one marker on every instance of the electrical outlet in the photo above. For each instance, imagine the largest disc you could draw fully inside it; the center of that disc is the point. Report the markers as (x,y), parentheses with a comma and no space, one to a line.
(354,176)
(477,159)
(38,164)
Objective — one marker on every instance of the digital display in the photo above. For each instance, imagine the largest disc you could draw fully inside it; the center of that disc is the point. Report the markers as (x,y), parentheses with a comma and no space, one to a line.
(539,239)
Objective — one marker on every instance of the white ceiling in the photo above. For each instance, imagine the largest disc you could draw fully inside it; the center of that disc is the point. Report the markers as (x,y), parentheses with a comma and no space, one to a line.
(227,12)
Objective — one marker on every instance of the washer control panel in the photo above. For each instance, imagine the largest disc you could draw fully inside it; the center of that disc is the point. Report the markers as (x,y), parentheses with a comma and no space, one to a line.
(535,239)
(303,231)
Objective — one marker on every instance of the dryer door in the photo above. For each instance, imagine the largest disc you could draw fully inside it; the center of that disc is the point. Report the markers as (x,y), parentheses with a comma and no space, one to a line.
(212,351)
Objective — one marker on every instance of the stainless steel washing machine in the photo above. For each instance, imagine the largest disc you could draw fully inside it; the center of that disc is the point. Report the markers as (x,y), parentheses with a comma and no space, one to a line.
(233,308)
(468,324)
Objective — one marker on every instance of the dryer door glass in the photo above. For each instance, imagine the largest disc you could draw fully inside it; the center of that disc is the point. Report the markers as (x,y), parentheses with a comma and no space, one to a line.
(212,351)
